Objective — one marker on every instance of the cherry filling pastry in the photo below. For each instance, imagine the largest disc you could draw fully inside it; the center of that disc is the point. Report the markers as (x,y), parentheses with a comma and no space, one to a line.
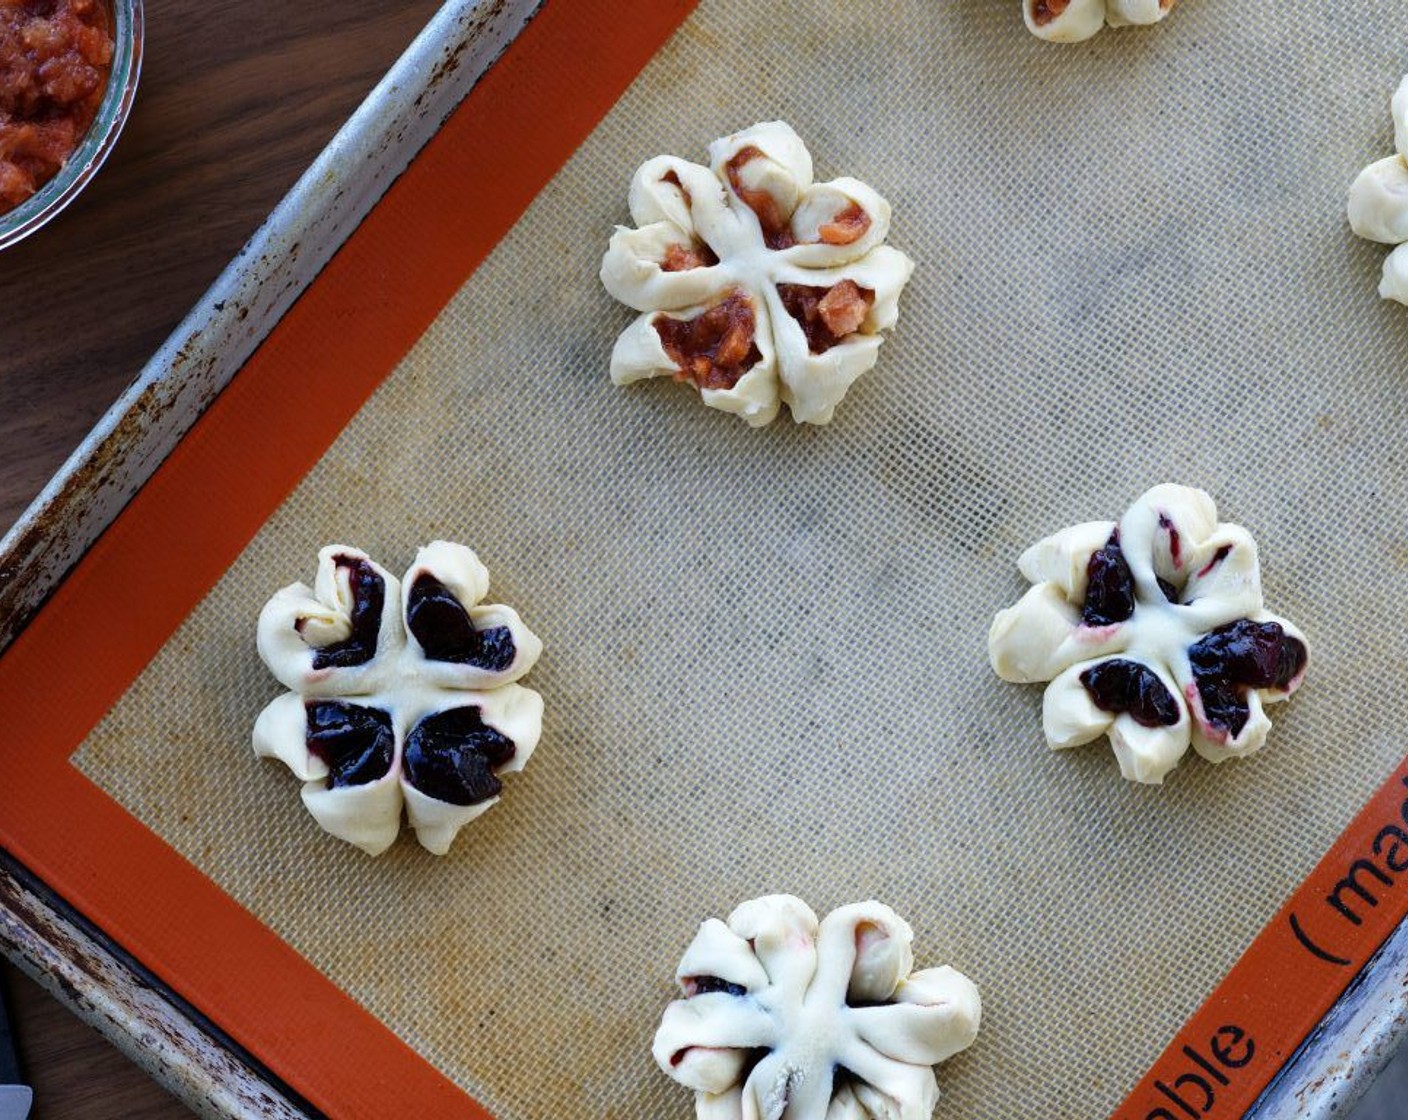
(754,283)
(1152,631)
(398,703)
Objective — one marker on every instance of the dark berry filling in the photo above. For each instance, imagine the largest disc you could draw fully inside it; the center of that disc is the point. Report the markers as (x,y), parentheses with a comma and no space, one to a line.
(451,756)
(827,316)
(444,630)
(1109,595)
(716,347)
(703,985)
(368,597)
(1122,686)
(1242,655)
(357,743)
(1170,592)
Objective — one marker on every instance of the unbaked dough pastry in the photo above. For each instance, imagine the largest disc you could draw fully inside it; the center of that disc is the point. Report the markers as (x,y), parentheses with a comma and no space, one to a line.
(1071,21)
(785,1018)
(755,284)
(1378,203)
(402,694)
(1152,631)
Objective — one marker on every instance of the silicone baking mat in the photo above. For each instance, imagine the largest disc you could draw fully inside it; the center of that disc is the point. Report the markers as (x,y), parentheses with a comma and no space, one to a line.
(766,665)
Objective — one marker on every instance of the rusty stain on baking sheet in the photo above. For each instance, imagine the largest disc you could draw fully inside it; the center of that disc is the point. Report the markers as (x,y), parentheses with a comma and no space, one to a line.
(131,1008)
(206,350)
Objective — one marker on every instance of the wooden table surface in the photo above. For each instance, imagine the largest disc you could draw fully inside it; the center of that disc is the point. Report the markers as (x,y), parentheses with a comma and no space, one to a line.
(236,98)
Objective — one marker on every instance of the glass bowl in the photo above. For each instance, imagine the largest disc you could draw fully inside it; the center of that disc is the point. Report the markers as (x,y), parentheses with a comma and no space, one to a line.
(102,134)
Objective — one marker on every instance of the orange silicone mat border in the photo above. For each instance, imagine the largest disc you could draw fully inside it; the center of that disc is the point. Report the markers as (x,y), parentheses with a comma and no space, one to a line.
(177,536)
(189,522)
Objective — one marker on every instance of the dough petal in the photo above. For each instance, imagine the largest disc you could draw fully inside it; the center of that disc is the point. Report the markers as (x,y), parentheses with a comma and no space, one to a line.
(1378,201)
(281,732)
(890,1089)
(1064,558)
(1123,13)
(1041,636)
(1216,745)
(1399,108)
(368,816)
(1394,284)
(704,1042)
(697,205)
(717,951)
(814,384)
(755,397)
(1147,754)
(1224,578)
(936,1014)
(1080,20)
(817,210)
(467,579)
(1149,528)
(864,950)
(296,622)
(1069,715)
(632,272)
(783,930)
(783,170)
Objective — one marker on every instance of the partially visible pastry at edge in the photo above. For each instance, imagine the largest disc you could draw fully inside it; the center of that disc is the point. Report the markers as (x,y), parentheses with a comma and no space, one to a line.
(1073,21)
(791,1018)
(1378,202)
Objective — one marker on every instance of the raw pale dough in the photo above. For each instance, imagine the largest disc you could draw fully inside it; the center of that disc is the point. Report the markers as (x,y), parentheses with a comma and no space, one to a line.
(845,1030)
(699,243)
(393,679)
(1378,202)
(1216,655)
(1071,21)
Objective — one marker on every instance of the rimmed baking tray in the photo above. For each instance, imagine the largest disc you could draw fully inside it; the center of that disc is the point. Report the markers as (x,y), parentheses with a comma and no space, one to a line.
(346,280)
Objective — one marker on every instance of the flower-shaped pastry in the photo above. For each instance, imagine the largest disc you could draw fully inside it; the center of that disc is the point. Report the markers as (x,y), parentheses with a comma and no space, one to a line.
(1071,21)
(1152,631)
(402,694)
(785,1019)
(1378,203)
(757,285)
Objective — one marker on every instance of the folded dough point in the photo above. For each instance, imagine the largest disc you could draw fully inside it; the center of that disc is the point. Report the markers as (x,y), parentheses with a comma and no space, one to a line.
(1027,641)
(1147,754)
(367,816)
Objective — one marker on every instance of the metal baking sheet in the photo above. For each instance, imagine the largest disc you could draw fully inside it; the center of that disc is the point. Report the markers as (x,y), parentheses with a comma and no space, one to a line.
(1149,263)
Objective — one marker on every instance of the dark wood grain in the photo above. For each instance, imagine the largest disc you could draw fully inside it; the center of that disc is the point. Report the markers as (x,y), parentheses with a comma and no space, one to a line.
(236,99)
